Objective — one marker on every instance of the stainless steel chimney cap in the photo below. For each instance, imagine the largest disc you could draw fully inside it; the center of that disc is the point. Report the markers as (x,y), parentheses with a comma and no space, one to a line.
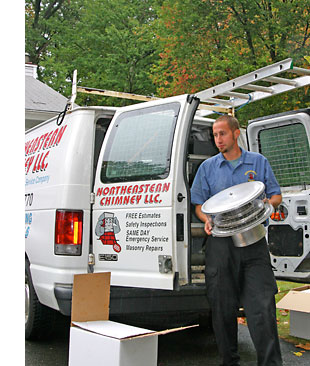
(238,211)
(233,197)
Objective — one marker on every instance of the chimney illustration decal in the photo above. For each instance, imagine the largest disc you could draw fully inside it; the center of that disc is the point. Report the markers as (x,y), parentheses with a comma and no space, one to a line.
(106,228)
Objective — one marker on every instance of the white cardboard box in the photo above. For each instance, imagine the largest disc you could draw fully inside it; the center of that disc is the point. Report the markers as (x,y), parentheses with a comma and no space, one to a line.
(297,301)
(97,341)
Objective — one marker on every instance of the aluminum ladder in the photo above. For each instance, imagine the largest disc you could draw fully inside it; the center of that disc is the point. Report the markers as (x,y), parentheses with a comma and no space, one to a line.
(227,96)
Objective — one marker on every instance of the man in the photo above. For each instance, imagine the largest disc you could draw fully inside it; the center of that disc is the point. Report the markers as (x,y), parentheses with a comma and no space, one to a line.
(238,276)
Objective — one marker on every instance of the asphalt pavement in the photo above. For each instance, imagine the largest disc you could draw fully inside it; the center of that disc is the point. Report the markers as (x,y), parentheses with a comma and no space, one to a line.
(191,347)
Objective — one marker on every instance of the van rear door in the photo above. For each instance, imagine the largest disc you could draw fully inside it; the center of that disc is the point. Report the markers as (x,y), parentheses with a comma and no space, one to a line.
(140,225)
(284,140)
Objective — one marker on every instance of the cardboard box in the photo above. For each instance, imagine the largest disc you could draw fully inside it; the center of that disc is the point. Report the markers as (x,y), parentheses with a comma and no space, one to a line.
(297,301)
(95,340)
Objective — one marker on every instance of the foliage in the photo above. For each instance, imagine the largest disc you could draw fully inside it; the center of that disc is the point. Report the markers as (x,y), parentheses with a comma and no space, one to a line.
(46,22)
(207,42)
(109,42)
(166,47)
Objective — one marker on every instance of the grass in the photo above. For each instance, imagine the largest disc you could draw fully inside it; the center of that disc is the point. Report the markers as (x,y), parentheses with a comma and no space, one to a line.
(283,319)
(283,316)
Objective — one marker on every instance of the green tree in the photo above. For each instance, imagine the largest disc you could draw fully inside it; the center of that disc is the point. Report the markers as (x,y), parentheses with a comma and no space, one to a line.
(165,47)
(110,43)
(45,23)
(206,42)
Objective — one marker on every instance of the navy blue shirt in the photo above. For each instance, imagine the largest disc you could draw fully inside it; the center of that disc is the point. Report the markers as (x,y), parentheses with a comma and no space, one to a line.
(216,174)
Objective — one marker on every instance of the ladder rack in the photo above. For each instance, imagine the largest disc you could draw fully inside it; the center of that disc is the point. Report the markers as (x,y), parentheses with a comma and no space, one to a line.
(131,96)
(214,99)
(111,93)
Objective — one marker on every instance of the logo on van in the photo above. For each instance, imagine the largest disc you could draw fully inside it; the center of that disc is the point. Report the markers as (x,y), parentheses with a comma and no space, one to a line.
(106,228)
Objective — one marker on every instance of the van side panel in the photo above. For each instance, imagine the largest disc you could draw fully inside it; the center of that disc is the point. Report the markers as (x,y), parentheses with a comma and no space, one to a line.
(58,171)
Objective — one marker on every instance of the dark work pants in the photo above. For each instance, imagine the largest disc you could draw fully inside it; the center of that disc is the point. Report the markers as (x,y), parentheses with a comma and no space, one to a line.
(242,277)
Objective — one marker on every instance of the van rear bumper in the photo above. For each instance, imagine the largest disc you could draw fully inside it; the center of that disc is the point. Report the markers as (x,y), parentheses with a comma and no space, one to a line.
(64,296)
(136,300)
(156,309)
(302,277)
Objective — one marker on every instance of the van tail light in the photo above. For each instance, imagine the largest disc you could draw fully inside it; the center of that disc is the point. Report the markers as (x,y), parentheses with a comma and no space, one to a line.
(68,232)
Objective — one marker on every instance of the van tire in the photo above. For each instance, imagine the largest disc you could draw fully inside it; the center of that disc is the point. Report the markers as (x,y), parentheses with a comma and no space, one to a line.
(39,319)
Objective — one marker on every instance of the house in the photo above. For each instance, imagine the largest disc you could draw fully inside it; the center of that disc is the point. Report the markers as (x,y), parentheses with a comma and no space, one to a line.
(41,101)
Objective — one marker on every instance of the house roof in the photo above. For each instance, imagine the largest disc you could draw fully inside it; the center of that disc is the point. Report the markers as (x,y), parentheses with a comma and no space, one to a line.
(42,98)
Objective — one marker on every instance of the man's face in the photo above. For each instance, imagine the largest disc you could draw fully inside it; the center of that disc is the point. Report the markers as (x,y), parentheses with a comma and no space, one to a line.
(225,139)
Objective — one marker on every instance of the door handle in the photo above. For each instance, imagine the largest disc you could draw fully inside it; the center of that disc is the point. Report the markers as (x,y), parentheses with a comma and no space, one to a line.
(180,197)
(180,227)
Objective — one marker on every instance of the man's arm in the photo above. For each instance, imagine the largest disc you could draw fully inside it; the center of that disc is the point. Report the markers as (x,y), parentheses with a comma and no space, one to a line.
(204,218)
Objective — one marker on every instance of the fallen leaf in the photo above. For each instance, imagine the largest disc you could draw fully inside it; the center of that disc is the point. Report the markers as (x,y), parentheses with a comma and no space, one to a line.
(305,346)
(298,354)
(284,312)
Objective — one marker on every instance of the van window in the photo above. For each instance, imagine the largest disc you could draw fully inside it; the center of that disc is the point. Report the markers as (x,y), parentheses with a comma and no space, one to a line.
(287,149)
(140,143)
(102,125)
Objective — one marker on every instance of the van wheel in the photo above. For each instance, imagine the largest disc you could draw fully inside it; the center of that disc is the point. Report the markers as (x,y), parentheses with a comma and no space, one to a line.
(39,319)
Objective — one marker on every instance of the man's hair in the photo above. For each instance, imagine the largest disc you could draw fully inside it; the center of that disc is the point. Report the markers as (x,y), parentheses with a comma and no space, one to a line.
(232,121)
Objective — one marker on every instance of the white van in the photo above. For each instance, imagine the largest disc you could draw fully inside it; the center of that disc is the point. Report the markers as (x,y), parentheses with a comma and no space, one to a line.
(284,140)
(108,189)
(104,196)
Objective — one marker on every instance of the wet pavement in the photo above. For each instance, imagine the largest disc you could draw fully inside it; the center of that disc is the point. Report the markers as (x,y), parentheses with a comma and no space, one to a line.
(191,347)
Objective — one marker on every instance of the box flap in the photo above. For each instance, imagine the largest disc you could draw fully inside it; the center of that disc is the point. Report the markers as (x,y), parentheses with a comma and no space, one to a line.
(166,331)
(297,299)
(91,297)
(121,331)
(304,288)
(112,329)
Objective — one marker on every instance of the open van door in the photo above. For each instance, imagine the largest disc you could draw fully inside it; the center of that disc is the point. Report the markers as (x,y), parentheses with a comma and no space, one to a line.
(140,210)
(284,140)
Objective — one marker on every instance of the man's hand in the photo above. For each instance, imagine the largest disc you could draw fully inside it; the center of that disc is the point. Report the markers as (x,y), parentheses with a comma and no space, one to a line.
(204,218)
(208,225)
(274,200)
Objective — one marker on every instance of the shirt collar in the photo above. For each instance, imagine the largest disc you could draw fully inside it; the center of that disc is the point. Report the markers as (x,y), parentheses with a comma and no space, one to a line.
(244,158)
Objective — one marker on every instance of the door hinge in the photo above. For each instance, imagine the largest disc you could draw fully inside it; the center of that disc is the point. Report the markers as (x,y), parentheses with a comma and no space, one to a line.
(91,259)
(92,198)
